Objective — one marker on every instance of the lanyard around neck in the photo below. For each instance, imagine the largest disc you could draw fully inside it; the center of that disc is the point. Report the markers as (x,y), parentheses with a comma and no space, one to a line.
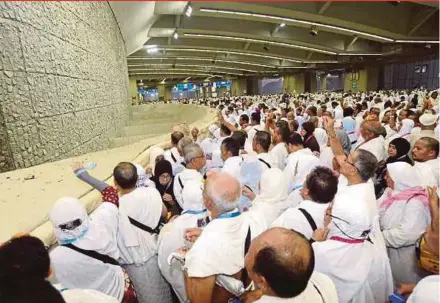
(194,212)
(229,215)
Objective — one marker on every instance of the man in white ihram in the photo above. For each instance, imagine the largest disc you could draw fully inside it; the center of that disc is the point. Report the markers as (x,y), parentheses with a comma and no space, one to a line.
(195,162)
(217,257)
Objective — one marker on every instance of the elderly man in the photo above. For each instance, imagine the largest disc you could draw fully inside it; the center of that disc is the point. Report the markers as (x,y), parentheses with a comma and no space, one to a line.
(425,155)
(218,254)
(195,163)
(371,140)
(318,192)
(354,239)
(281,264)
(427,125)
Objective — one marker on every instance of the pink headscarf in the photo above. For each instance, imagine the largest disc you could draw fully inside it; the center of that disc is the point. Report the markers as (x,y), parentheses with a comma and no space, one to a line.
(406,184)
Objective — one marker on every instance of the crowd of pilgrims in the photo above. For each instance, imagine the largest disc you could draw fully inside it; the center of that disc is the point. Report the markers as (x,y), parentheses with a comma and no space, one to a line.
(328,197)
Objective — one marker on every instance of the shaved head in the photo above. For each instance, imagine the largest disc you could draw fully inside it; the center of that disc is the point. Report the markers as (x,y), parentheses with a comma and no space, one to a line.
(281,262)
(223,190)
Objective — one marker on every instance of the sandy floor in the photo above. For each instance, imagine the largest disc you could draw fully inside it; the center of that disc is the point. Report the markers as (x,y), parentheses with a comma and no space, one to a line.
(25,203)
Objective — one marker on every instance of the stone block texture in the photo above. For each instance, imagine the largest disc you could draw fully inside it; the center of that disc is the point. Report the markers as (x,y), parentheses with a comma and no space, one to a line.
(63,81)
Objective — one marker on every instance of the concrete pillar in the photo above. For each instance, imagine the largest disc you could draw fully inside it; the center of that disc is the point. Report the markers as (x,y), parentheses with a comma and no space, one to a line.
(294,83)
(238,87)
(362,80)
(323,81)
(310,84)
(252,86)
(165,92)
(133,90)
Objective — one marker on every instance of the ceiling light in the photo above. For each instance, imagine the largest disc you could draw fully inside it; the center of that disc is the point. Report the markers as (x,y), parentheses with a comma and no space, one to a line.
(193,65)
(151,49)
(188,11)
(283,24)
(198,59)
(360,54)
(262,41)
(232,53)
(417,41)
(343,29)
(176,35)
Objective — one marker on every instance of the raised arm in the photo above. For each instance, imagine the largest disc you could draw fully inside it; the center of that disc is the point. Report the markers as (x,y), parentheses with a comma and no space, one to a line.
(335,144)
(82,174)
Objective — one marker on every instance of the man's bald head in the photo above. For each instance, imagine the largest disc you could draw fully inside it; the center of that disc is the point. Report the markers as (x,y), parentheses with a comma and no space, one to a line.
(222,191)
(281,262)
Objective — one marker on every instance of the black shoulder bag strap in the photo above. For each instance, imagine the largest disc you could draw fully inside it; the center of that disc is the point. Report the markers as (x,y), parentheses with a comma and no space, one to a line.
(172,157)
(93,254)
(247,244)
(309,218)
(180,183)
(145,227)
(268,165)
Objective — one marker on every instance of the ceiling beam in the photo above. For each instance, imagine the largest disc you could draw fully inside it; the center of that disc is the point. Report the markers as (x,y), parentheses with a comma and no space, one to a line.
(177,20)
(425,17)
(169,41)
(350,42)
(275,30)
(324,7)
(309,56)
(246,46)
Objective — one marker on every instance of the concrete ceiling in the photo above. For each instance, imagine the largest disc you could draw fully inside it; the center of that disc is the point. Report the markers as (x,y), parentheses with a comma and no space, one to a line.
(232,39)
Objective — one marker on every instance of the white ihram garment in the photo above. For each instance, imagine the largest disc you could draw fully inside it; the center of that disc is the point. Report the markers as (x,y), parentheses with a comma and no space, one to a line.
(76,270)
(232,166)
(376,146)
(270,203)
(319,289)
(299,164)
(371,281)
(294,219)
(279,155)
(175,159)
(171,237)
(403,223)
(186,175)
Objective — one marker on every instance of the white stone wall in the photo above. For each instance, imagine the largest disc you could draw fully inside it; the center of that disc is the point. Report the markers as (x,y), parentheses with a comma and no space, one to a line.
(63,81)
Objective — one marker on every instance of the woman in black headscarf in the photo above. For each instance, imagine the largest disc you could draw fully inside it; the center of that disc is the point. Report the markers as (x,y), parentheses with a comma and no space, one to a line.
(164,181)
(398,152)
(308,128)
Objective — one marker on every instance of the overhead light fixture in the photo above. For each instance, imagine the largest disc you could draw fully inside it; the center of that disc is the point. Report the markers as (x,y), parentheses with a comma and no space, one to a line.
(262,41)
(176,35)
(198,59)
(188,11)
(360,54)
(283,24)
(284,19)
(204,50)
(418,41)
(192,65)
(151,49)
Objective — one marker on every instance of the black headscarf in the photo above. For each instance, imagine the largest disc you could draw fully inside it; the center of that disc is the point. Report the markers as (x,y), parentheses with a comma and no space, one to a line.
(402,148)
(164,166)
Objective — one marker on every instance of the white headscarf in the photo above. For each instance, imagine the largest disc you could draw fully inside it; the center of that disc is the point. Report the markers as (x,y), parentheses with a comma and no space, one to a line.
(322,138)
(64,212)
(93,237)
(403,175)
(407,126)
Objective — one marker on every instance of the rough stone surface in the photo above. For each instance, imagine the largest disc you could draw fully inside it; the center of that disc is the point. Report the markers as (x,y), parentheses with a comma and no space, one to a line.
(63,81)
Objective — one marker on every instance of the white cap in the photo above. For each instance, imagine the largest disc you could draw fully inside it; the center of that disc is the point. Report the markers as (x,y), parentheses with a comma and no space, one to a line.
(428,119)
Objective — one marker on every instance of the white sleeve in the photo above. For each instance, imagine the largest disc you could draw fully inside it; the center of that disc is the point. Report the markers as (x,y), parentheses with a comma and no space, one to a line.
(177,190)
(107,215)
(295,220)
(414,221)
